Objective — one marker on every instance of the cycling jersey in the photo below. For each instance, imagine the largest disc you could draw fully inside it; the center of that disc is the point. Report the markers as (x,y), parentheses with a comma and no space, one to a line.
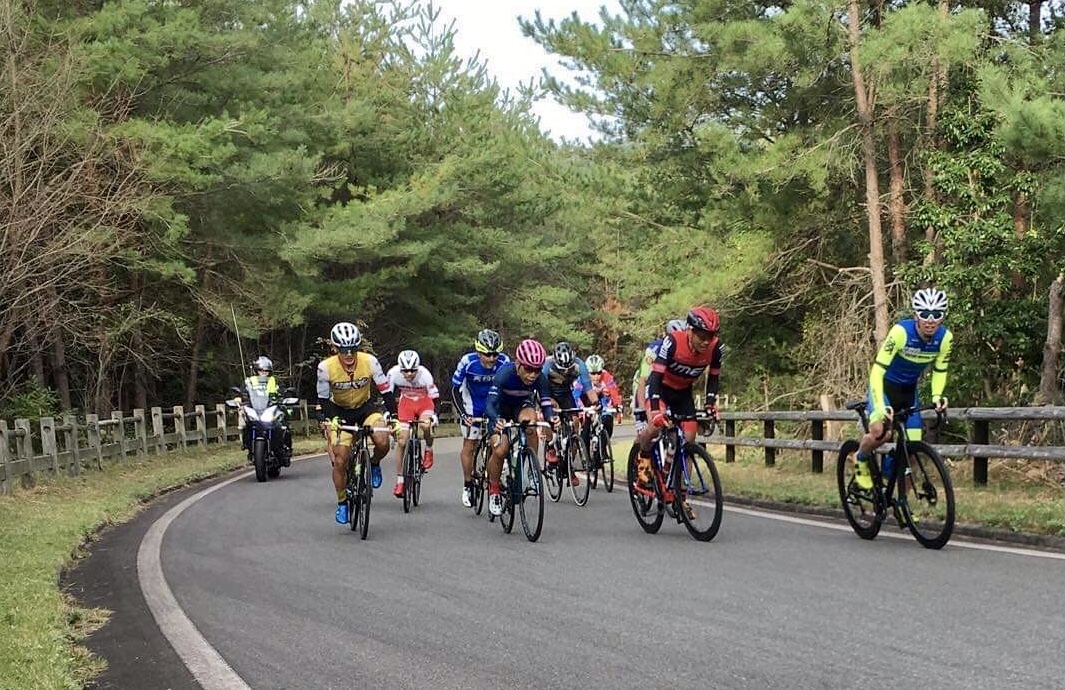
(607,389)
(677,365)
(643,370)
(420,387)
(903,358)
(509,394)
(471,382)
(339,389)
(561,382)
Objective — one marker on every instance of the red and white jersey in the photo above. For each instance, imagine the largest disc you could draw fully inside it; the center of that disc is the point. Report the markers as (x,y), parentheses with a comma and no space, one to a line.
(421,386)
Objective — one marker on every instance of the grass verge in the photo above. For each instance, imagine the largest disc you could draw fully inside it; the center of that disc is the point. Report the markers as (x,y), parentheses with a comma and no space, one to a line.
(1008,502)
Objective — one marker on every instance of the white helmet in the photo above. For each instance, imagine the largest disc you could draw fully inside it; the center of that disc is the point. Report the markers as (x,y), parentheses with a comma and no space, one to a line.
(595,364)
(930,299)
(262,364)
(408,360)
(345,335)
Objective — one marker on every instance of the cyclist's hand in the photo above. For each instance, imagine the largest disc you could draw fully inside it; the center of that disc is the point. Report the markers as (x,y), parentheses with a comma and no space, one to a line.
(659,419)
(465,419)
(395,424)
(500,425)
(711,409)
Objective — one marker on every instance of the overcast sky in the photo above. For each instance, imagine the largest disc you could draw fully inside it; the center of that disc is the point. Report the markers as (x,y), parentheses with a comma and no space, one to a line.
(491,26)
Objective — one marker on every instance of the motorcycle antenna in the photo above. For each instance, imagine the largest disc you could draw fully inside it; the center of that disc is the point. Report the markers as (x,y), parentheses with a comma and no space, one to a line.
(240,348)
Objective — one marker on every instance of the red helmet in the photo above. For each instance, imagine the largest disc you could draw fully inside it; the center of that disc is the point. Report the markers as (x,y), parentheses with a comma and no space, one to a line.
(703,318)
(530,353)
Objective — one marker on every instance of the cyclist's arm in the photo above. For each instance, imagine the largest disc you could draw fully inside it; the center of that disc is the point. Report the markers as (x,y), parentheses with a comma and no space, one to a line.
(543,386)
(588,393)
(434,392)
(893,344)
(713,374)
(384,386)
(610,386)
(491,404)
(940,366)
(324,392)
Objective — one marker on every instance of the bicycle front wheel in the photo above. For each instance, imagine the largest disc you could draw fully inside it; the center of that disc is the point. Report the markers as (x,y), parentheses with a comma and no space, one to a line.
(531,504)
(646,500)
(365,495)
(508,489)
(553,480)
(606,464)
(479,478)
(697,490)
(408,476)
(353,490)
(929,497)
(577,470)
(859,505)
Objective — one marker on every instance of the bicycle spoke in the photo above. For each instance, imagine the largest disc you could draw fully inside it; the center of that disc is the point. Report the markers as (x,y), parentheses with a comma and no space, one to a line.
(929,497)
(645,502)
(577,470)
(698,491)
(859,505)
(532,495)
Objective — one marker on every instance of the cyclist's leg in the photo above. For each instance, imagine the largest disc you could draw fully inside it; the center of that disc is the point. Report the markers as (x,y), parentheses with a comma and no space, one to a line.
(426,430)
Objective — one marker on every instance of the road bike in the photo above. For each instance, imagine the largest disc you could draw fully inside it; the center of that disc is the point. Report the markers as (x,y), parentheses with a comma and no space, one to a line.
(480,465)
(412,466)
(358,489)
(684,482)
(918,492)
(521,483)
(572,459)
(600,452)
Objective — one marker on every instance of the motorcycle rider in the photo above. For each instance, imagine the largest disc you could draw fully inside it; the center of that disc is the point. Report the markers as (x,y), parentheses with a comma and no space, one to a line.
(264,381)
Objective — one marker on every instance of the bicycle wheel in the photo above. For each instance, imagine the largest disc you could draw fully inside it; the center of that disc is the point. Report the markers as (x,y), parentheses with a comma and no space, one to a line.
(646,501)
(697,490)
(929,497)
(352,492)
(480,477)
(577,470)
(531,503)
(606,461)
(859,505)
(365,495)
(416,475)
(408,476)
(553,480)
(506,481)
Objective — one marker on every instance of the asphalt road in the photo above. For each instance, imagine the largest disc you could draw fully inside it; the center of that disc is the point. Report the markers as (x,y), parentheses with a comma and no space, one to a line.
(281,597)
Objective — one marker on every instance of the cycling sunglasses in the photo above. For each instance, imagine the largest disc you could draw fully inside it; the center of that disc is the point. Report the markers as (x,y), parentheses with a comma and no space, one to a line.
(489,355)
(529,370)
(409,371)
(931,314)
(347,350)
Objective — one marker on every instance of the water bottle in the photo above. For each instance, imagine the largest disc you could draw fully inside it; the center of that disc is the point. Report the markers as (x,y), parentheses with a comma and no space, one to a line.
(887,466)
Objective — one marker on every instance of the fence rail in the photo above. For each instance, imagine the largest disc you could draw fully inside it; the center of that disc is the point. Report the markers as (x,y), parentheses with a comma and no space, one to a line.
(977,446)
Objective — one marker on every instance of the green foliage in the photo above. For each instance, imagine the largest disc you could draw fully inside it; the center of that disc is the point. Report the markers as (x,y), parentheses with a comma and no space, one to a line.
(30,401)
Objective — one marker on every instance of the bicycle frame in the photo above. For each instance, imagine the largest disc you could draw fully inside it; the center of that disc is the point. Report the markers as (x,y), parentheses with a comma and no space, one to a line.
(901,453)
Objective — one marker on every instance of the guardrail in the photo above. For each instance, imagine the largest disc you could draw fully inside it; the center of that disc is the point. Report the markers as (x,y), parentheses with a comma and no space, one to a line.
(977,446)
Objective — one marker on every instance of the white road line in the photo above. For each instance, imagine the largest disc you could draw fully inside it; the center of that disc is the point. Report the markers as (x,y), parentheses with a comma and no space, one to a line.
(203,661)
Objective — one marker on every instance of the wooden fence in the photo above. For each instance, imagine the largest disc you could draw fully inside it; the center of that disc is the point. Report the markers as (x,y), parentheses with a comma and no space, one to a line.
(977,446)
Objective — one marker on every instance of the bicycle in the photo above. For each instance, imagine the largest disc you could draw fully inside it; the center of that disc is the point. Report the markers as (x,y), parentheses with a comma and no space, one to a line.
(412,466)
(520,482)
(572,458)
(358,490)
(480,465)
(681,473)
(918,492)
(600,452)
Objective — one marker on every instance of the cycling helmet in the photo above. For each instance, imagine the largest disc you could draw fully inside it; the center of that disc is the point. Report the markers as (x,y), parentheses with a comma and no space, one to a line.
(488,342)
(595,364)
(530,353)
(408,360)
(262,364)
(703,318)
(564,357)
(345,335)
(674,325)
(930,299)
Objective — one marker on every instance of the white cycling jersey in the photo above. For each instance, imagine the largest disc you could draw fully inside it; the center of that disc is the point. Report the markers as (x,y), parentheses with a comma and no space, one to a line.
(421,386)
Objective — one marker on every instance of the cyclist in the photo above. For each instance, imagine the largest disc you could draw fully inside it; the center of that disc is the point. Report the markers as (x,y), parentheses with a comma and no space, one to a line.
(418,397)
(469,392)
(346,383)
(681,359)
(643,370)
(564,369)
(605,386)
(911,346)
(512,397)
(264,381)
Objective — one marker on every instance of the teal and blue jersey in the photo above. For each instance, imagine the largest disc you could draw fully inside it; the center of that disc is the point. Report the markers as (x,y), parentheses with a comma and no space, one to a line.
(471,382)
(561,382)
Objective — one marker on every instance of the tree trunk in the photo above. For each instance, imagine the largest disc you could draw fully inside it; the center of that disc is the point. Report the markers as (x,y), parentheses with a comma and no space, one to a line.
(935,85)
(872,183)
(1035,11)
(896,195)
(60,373)
(194,362)
(1049,386)
(1021,214)
(37,359)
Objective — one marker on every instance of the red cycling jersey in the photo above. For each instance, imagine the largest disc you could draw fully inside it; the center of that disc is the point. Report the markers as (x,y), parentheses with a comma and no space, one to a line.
(679,365)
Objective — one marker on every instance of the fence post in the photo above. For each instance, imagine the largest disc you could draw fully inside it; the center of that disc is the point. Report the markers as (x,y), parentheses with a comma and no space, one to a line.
(5,459)
(92,431)
(730,432)
(157,430)
(140,431)
(220,422)
(201,425)
(48,446)
(770,453)
(817,462)
(305,412)
(70,438)
(118,433)
(24,448)
(981,436)
(179,426)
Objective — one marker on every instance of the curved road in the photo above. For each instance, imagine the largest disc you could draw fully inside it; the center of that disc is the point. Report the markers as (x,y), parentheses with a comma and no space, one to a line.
(267,592)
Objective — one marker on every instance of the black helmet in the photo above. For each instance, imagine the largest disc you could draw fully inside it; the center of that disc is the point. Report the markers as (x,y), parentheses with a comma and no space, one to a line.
(488,342)
(564,357)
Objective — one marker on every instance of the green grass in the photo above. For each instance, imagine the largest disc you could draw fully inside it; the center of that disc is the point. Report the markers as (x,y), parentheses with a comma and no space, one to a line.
(1011,500)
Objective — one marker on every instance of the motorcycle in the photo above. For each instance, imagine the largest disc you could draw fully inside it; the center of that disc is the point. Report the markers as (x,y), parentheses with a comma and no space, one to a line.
(267,422)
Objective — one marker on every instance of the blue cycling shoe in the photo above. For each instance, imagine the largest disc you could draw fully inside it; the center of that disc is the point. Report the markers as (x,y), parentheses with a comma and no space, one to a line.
(342,513)
(375,476)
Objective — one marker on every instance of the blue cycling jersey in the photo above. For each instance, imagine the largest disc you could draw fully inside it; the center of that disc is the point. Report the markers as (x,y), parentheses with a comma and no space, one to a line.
(561,382)
(475,380)
(509,393)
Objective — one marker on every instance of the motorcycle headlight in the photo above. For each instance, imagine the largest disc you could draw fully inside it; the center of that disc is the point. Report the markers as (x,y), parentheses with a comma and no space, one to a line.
(251,414)
(267,417)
